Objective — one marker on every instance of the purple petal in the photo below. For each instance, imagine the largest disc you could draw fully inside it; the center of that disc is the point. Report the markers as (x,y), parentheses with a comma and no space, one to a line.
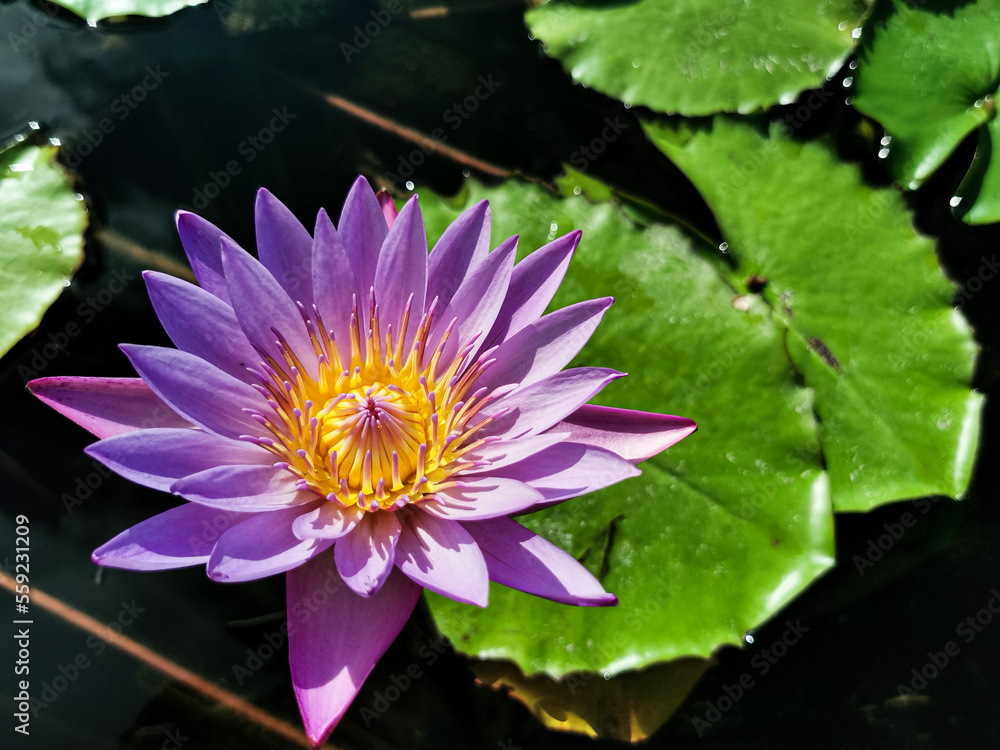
(262,546)
(335,637)
(460,247)
(201,241)
(477,301)
(180,537)
(388,207)
(633,435)
(284,247)
(569,469)
(363,229)
(158,457)
(441,556)
(532,286)
(333,280)
(364,557)
(479,498)
(530,410)
(262,305)
(243,488)
(502,453)
(197,390)
(522,560)
(545,346)
(201,323)
(328,521)
(401,273)
(107,406)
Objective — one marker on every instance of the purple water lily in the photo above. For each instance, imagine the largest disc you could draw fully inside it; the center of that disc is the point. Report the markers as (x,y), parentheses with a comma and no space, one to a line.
(365,416)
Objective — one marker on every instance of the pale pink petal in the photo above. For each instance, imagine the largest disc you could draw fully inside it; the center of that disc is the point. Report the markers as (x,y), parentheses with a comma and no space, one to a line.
(441,556)
(633,435)
(107,406)
(522,560)
(364,557)
(388,207)
(335,637)
(178,538)
(262,546)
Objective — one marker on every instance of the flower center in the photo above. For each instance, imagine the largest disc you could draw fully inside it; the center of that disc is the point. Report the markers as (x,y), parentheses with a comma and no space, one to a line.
(379,427)
(374,435)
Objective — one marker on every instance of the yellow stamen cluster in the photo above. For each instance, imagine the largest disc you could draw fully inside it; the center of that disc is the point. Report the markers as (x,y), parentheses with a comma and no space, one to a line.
(380,429)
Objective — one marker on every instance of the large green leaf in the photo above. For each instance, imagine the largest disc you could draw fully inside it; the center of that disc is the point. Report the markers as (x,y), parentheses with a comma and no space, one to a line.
(41,237)
(869,313)
(695,57)
(721,530)
(95,10)
(931,78)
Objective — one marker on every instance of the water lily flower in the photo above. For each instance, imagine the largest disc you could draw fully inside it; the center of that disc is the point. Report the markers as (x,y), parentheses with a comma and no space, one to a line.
(364,417)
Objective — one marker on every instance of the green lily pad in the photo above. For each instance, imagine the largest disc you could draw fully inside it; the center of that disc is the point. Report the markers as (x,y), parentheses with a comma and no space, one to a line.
(95,10)
(931,78)
(696,57)
(977,199)
(721,530)
(869,313)
(41,237)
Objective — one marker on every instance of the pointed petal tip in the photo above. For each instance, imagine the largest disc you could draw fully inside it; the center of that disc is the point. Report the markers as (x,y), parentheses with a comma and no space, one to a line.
(318,730)
(263,194)
(361,181)
(388,206)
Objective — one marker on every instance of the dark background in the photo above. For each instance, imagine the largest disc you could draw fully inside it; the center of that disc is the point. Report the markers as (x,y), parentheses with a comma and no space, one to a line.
(228,66)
